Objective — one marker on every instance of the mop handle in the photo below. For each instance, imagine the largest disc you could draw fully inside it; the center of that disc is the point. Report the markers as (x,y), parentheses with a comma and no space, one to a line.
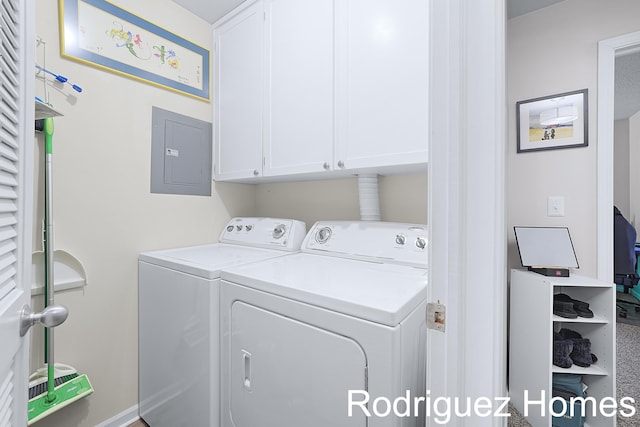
(48,214)
(48,206)
(48,247)
(48,135)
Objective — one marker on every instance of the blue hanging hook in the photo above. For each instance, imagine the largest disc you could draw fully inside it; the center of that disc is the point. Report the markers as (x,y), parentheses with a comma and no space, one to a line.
(61,79)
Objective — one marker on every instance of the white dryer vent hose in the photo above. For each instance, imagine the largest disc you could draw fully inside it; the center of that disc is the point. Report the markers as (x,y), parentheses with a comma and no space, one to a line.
(369,200)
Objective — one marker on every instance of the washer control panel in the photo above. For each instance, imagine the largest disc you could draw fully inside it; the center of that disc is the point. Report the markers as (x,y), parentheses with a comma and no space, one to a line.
(276,233)
(398,243)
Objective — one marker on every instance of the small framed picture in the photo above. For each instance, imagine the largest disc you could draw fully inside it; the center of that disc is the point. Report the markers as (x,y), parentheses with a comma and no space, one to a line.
(552,122)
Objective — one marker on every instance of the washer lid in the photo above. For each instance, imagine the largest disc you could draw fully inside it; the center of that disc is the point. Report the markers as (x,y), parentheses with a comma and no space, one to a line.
(382,293)
(207,260)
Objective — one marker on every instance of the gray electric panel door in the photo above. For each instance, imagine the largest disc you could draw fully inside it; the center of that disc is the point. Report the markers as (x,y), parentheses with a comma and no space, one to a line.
(180,154)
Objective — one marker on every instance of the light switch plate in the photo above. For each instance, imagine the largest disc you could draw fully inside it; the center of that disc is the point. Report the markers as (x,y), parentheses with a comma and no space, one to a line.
(555,206)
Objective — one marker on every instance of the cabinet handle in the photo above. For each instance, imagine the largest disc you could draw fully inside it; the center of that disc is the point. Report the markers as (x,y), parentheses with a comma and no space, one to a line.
(255,172)
(326,166)
(340,164)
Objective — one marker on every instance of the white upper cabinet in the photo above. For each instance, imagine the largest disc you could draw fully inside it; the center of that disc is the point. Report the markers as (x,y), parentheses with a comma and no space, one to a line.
(382,90)
(299,89)
(344,88)
(238,89)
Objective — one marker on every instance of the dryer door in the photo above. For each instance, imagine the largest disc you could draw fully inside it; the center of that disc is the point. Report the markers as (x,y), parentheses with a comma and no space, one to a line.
(289,373)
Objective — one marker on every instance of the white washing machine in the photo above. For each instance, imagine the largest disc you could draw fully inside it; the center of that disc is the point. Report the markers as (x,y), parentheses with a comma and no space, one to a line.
(179,318)
(346,313)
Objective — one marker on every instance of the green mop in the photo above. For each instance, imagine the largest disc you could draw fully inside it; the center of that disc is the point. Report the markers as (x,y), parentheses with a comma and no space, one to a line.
(68,388)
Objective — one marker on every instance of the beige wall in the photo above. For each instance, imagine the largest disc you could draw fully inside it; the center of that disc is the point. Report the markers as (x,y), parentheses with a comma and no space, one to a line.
(403,198)
(621,165)
(626,171)
(634,171)
(104,214)
(551,51)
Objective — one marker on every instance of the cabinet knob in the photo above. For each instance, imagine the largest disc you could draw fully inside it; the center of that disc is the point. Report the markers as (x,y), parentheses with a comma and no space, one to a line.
(255,172)
(340,164)
(326,166)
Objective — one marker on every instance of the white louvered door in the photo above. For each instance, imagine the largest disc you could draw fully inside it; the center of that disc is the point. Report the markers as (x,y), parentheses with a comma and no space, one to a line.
(16,166)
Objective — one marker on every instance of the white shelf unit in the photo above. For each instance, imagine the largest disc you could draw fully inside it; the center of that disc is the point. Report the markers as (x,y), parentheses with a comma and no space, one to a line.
(531,327)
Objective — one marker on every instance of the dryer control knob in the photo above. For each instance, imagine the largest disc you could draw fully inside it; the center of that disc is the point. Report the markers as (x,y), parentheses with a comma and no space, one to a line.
(278,232)
(230,228)
(400,239)
(323,234)
(239,227)
(421,242)
(248,227)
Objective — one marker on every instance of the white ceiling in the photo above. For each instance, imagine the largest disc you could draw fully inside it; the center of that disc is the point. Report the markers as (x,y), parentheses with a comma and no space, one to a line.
(210,10)
(627,90)
(520,7)
(213,10)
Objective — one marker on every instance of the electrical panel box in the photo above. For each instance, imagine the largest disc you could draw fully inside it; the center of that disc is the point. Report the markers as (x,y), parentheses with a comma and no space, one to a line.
(181,148)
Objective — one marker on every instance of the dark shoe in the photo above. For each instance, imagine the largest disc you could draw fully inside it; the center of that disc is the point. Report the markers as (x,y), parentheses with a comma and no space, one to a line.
(569,334)
(580,307)
(581,352)
(562,348)
(564,309)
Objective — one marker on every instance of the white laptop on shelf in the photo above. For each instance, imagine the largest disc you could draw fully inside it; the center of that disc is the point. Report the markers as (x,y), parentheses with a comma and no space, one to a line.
(546,250)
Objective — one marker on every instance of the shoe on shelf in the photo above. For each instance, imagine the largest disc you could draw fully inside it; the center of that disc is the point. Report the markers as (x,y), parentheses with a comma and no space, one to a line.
(564,309)
(562,348)
(580,307)
(581,353)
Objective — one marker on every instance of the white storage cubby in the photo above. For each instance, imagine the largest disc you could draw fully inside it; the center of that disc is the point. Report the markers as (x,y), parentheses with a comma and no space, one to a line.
(313,89)
(531,328)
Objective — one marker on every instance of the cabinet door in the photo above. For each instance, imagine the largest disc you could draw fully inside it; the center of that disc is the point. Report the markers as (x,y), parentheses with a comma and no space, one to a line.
(238,94)
(382,63)
(299,90)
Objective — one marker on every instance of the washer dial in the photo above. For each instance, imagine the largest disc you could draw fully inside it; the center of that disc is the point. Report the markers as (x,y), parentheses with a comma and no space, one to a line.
(323,234)
(279,231)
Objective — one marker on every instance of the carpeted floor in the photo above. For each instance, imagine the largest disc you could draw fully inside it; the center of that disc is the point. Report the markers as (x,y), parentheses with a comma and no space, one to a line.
(628,304)
(628,368)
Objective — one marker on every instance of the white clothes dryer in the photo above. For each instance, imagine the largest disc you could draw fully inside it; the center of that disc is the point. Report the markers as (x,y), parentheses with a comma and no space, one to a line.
(344,317)
(179,318)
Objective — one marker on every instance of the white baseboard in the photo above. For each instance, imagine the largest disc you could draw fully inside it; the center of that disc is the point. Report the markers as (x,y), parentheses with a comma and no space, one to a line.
(123,419)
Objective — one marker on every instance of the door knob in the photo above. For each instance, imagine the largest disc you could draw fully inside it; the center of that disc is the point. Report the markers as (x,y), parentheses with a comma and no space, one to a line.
(50,317)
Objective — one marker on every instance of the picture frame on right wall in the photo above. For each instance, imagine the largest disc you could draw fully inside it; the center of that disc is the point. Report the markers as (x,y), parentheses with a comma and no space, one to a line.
(553,122)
